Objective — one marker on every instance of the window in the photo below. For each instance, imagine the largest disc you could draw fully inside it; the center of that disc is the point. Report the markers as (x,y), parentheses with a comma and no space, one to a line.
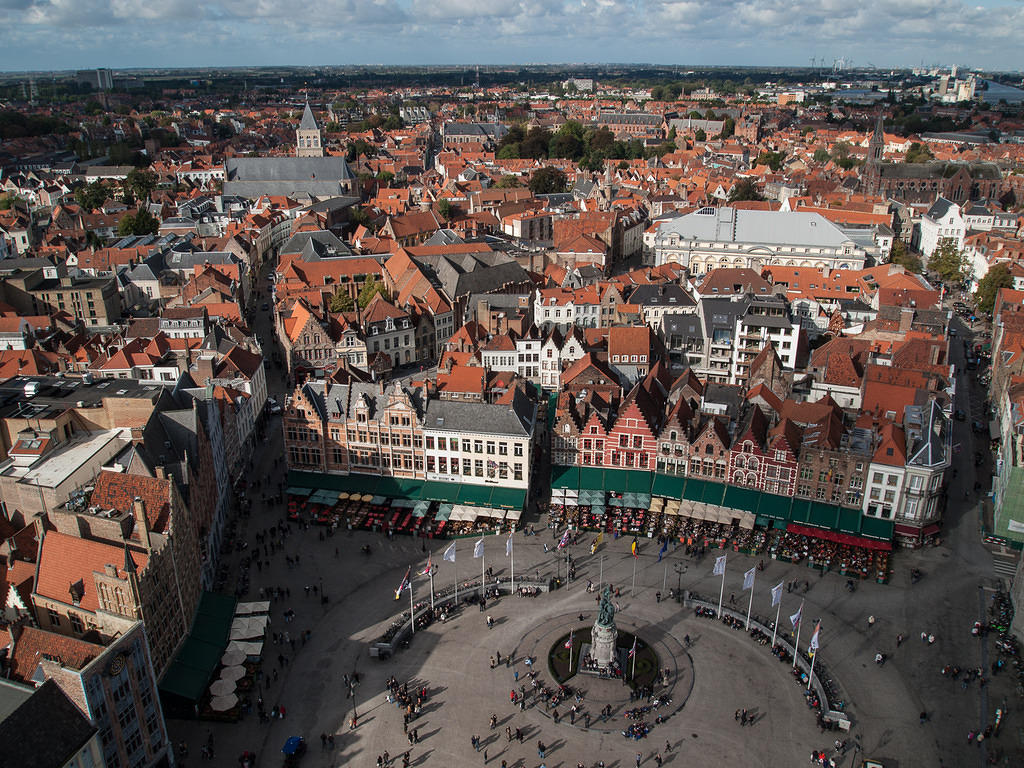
(430,442)
(76,623)
(518,451)
(53,616)
(519,471)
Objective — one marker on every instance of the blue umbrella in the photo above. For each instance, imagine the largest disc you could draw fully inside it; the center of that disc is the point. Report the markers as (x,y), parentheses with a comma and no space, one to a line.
(292,746)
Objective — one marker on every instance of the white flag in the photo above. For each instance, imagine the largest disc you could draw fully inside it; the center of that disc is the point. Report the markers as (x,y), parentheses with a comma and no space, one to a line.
(777,594)
(719,566)
(795,618)
(449,554)
(814,638)
(478,548)
(748,579)
(508,546)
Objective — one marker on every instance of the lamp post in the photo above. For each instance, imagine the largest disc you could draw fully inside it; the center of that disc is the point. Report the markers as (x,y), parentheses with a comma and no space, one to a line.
(680,569)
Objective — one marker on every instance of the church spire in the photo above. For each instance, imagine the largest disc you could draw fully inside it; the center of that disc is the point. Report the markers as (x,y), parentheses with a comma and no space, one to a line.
(876,147)
(308,142)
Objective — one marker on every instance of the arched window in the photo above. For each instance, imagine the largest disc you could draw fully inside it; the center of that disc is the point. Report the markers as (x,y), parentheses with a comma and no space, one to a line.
(740,462)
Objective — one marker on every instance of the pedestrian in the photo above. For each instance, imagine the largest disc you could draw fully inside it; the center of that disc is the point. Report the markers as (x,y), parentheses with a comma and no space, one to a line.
(330,741)
(736,716)
(409,737)
(658,760)
(668,746)
(497,655)
(639,757)
(515,675)
(924,716)
(899,639)
(415,735)
(323,741)
(686,640)
(924,637)
(485,755)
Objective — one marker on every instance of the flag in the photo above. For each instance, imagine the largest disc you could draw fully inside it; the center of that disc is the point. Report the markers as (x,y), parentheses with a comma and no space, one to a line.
(478,548)
(404,585)
(597,542)
(508,546)
(564,541)
(568,643)
(748,579)
(795,618)
(777,594)
(663,550)
(449,554)
(632,651)
(813,645)
(635,547)
(719,566)
(429,569)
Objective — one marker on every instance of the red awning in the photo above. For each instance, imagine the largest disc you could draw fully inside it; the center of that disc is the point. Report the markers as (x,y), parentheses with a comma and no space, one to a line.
(907,530)
(839,538)
(931,530)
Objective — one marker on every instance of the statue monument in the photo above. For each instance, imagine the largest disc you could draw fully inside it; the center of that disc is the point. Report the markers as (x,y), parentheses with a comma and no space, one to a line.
(604,634)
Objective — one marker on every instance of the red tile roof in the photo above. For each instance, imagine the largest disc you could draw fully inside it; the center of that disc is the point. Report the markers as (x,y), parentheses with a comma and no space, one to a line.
(33,645)
(65,560)
(117,490)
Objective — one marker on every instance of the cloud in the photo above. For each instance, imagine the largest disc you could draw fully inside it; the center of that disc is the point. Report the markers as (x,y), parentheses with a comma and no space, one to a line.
(65,33)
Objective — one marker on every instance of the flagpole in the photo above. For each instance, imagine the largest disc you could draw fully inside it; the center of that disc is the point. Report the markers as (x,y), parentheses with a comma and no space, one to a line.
(778,612)
(721,594)
(750,605)
(664,579)
(570,652)
(431,589)
(632,674)
(455,563)
(600,578)
(810,677)
(799,626)
(412,610)
(632,590)
(512,555)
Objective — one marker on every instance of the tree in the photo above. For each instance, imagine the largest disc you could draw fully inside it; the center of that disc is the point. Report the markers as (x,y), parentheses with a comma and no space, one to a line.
(919,153)
(728,128)
(445,208)
(141,182)
(371,287)
(141,223)
(535,144)
(700,135)
(948,261)
(744,190)
(508,181)
(996,278)
(341,301)
(547,180)
(92,196)
(821,155)
(772,159)
(899,254)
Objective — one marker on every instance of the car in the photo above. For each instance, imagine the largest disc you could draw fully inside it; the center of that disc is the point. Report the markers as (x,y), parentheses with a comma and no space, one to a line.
(952,332)
(264,306)
(273,406)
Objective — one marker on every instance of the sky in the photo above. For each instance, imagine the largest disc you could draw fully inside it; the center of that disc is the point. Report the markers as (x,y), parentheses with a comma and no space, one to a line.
(43,35)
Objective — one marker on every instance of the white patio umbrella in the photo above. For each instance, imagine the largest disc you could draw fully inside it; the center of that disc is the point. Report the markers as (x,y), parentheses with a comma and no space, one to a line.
(223,703)
(233,673)
(232,658)
(222,687)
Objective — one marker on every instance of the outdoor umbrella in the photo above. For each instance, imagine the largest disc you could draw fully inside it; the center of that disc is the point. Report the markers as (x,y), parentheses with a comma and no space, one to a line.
(222,688)
(223,703)
(231,658)
(232,673)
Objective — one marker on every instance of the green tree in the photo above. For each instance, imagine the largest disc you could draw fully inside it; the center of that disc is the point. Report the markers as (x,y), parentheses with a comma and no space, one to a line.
(509,152)
(744,190)
(988,287)
(141,223)
(728,128)
(547,180)
(92,196)
(919,153)
(700,135)
(948,261)
(508,181)
(445,208)
(535,144)
(141,183)
(772,159)
(371,287)
(900,254)
(341,301)
(567,142)
(6,202)
(821,155)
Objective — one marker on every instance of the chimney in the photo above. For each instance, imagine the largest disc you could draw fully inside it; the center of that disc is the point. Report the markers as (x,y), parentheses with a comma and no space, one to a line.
(906,320)
(141,524)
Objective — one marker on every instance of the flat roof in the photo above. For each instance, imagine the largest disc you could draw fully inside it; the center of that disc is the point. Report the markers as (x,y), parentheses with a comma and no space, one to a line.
(54,395)
(56,467)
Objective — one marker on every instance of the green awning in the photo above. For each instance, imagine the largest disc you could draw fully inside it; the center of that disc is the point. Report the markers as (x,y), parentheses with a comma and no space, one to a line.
(669,486)
(592,478)
(823,515)
(421,509)
(474,495)
(199,656)
(444,512)
(849,520)
(777,507)
(762,521)
(876,528)
(744,499)
(434,490)
(508,498)
(801,511)
(565,477)
(293,491)
(780,524)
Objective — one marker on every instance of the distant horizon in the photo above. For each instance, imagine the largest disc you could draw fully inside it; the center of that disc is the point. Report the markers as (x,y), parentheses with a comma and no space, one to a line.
(67,35)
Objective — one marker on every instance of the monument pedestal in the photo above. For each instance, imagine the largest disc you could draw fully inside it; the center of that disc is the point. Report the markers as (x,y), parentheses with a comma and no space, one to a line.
(602,644)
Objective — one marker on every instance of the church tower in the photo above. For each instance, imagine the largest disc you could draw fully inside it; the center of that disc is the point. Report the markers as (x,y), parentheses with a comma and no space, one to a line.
(876,147)
(307,138)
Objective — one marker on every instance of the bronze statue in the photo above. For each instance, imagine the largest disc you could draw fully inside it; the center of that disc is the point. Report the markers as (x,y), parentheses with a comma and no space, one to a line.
(606,611)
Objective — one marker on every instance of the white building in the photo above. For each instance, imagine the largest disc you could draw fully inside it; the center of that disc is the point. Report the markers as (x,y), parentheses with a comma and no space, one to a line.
(766,318)
(944,221)
(727,237)
(480,443)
